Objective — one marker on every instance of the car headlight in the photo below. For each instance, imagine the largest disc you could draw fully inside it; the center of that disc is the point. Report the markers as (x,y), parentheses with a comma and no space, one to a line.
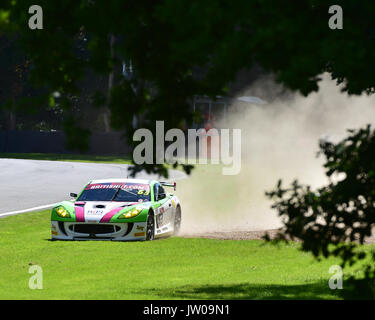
(131,214)
(61,212)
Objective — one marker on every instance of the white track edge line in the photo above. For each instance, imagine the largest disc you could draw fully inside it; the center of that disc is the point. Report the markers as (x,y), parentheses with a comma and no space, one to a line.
(27,210)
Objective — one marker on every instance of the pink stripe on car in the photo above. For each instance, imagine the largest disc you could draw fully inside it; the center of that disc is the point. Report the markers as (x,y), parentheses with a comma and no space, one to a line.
(80,213)
(110,214)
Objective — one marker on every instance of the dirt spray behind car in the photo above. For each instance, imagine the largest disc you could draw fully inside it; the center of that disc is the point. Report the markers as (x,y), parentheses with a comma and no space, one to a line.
(279,140)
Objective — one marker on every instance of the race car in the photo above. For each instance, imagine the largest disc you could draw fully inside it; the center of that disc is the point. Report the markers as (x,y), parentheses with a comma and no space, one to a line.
(118,209)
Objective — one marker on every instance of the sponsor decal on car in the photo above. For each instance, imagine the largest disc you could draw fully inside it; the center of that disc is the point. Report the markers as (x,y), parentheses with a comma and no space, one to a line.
(139,234)
(95,212)
(127,186)
(140,228)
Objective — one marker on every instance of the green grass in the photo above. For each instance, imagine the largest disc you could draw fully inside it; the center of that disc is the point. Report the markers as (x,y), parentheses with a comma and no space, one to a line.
(124,159)
(173,268)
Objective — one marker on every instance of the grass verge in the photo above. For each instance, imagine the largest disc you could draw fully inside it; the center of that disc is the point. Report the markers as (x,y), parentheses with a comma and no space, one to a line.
(174,268)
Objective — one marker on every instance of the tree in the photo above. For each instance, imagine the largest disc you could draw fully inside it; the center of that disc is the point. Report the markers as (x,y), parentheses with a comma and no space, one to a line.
(13,68)
(333,220)
(167,41)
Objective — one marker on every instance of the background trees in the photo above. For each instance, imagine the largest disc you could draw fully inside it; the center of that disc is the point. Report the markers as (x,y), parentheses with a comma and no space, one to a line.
(182,48)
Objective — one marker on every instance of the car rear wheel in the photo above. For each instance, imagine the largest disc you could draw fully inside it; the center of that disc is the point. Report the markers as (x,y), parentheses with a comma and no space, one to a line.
(150,231)
(177,220)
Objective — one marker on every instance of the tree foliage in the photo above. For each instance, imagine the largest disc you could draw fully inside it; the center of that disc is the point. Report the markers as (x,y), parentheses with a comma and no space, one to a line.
(183,48)
(335,218)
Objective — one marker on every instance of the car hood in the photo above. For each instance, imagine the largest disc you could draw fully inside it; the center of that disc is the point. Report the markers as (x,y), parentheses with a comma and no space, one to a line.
(99,211)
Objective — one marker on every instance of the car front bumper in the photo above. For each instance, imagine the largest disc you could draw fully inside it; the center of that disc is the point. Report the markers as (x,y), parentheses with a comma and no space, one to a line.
(98,231)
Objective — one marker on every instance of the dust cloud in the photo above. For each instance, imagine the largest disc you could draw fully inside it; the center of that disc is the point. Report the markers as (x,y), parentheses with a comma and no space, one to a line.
(280,140)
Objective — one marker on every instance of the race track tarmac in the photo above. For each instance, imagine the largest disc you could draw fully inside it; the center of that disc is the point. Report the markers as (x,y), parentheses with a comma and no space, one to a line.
(28,184)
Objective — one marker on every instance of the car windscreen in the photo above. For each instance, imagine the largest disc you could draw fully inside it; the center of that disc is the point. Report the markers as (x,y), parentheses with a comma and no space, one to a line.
(122,192)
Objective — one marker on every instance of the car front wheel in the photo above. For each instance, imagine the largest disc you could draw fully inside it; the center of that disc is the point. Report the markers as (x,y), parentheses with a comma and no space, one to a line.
(150,232)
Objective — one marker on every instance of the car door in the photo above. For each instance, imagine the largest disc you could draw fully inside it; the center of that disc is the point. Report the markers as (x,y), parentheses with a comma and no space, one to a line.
(164,213)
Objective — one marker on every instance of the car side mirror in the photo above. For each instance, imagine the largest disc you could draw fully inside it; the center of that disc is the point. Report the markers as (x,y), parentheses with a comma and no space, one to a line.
(73,195)
(161,196)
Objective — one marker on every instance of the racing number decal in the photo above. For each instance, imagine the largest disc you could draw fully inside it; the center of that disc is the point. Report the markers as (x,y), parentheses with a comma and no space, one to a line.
(160,217)
(159,220)
(144,192)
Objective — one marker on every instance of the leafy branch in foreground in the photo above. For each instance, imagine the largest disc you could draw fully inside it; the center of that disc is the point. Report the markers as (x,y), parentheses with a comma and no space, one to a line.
(335,219)
(180,49)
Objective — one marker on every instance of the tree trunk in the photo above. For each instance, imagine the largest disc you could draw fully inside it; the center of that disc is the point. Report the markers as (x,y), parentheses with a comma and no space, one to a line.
(12,120)
(107,112)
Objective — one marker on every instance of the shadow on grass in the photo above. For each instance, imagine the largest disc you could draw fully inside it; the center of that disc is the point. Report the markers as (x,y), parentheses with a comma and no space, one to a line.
(246,291)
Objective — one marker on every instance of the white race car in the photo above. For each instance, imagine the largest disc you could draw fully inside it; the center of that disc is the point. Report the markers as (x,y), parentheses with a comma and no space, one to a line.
(118,209)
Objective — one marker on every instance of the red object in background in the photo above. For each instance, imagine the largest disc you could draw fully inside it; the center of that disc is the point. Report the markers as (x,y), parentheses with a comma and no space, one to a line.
(209,119)
(208,127)
(209,124)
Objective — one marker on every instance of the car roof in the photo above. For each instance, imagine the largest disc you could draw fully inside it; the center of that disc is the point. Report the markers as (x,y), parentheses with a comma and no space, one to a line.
(117,180)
